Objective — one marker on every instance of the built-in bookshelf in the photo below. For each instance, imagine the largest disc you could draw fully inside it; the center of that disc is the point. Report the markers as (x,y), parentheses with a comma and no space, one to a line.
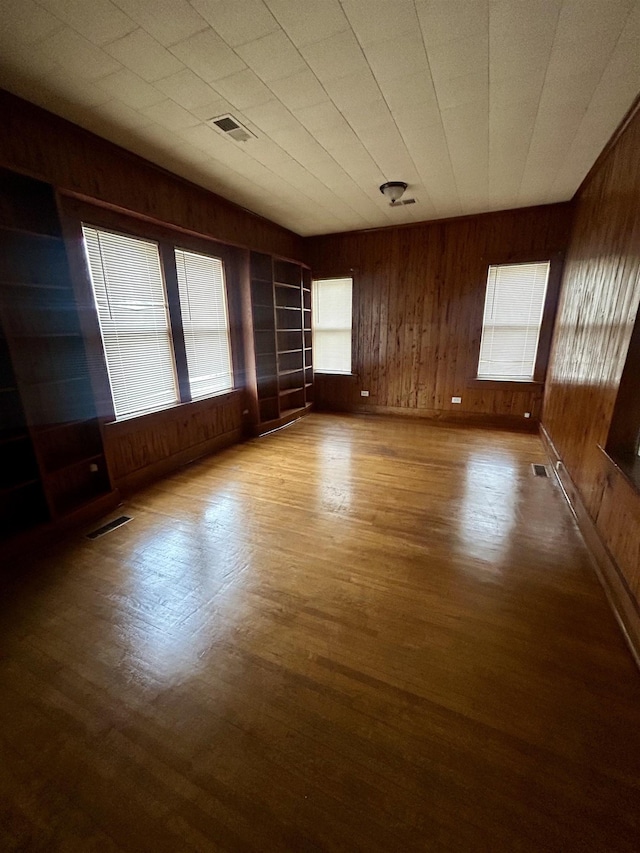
(281,320)
(51,450)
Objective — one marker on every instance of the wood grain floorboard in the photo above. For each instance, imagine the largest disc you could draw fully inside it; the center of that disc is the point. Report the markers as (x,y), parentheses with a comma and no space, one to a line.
(354,634)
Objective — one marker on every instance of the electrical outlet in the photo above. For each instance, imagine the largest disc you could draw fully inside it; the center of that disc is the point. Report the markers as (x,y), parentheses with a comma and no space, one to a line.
(364,393)
(456,399)
(527,414)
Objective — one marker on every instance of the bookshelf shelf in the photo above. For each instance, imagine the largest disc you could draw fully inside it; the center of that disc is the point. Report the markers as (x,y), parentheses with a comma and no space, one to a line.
(279,304)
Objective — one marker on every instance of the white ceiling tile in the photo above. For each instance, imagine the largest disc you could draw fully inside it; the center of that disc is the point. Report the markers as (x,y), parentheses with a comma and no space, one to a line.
(161,138)
(513,90)
(508,62)
(244,89)
(168,21)
(170,115)
(356,89)
(237,23)
(306,23)
(122,115)
(100,21)
(577,58)
(411,93)
(535,20)
(335,57)
(273,114)
(272,57)
(469,128)
(319,115)
(457,91)
(390,63)
(624,62)
(77,54)
(459,58)
(201,136)
(363,117)
(75,89)
(294,138)
(144,55)
(208,55)
(26,22)
(130,89)
(187,89)
(582,19)
(302,89)
(357,162)
(446,20)
(213,109)
(380,20)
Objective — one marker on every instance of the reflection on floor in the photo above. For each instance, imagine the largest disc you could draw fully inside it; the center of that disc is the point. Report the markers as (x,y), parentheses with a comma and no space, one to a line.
(355,634)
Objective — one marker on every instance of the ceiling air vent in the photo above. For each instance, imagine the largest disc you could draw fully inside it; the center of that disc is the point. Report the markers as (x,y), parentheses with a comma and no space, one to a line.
(402,201)
(230,126)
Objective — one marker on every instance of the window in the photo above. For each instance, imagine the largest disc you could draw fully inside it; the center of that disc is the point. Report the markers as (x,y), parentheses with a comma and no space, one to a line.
(143,315)
(512,319)
(134,321)
(623,441)
(205,322)
(332,325)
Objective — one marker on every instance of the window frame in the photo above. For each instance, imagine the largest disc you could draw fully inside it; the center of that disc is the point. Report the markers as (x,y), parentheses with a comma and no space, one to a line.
(623,439)
(333,277)
(74,212)
(225,300)
(555,260)
(168,329)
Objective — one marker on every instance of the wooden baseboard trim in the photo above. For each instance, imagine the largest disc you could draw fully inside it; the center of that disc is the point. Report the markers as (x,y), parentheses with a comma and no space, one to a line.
(443,416)
(144,476)
(618,594)
(271,426)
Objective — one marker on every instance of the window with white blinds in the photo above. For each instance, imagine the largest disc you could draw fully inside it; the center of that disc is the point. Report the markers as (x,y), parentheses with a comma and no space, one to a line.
(134,322)
(205,322)
(332,325)
(512,318)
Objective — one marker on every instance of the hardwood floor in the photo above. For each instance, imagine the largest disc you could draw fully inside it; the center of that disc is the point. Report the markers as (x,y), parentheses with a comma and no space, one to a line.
(355,634)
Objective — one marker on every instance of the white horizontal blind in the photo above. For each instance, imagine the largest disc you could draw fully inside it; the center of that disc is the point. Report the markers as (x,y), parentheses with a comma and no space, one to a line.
(332,325)
(512,318)
(205,322)
(132,309)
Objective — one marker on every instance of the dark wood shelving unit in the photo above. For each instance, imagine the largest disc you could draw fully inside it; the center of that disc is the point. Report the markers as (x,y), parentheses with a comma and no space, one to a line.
(280,293)
(51,454)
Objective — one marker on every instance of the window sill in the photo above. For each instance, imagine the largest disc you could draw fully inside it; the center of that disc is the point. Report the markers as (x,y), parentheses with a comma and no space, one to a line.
(628,464)
(169,412)
(506,384)
(332,373)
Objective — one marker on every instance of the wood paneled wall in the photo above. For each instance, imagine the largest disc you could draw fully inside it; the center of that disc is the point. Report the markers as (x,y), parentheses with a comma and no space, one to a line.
(418,304)
(115,182)
(141,449)
(40,144)
(598,307)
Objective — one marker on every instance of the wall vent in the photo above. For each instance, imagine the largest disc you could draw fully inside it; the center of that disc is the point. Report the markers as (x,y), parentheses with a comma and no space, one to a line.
(107,528)
(540,470)
(230,126)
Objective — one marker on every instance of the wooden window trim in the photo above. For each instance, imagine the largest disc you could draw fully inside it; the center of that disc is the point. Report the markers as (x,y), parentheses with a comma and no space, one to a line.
(624,431)
(73,212)
(556,260)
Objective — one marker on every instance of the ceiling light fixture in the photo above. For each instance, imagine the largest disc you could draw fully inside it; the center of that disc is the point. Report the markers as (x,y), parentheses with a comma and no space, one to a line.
(393,190)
